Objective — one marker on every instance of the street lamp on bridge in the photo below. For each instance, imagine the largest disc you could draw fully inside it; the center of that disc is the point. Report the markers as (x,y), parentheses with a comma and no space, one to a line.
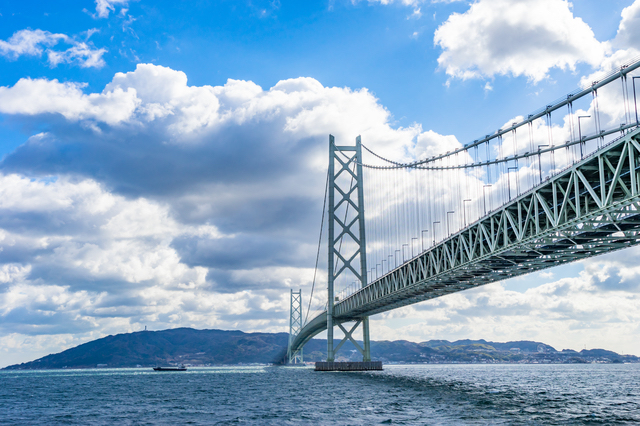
(635,103)
(448,231)
(422,236)
(540,161)
(484,198)
(509,180)
(580,132)
(464,211)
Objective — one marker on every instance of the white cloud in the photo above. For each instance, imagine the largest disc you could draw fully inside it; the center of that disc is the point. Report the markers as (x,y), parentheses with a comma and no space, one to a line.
(80,53)
(628,35)
(29,42)
(516,37)
(103,7)
(612,103)
(11,272)
(97,255)
(230,236)
(566,314)
(430,143)
(33,43)
(413,3)
(98,234)
(41,96)
(626,43)
(417,14)
(159,96)
(156,202)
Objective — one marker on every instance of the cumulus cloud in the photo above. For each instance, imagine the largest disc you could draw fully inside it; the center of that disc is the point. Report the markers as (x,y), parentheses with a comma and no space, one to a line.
(159,98)
(566,313)
(430,143)
(620,272)
(628,35)
(516,37)
(79,223)
(157,202)
(250,161)
(42,96)
(625,44)
(36,42)
(97,258)
(612,103)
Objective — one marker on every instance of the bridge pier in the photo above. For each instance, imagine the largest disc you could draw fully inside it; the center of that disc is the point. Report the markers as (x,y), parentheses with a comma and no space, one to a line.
(349,366)
(366,356)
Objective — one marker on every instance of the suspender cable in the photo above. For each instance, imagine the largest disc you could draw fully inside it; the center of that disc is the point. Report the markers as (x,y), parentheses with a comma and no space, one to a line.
(550,131)
(315,272)
(597,118)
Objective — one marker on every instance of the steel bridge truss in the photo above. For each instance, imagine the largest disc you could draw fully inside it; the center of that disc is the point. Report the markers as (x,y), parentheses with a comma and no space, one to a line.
(589,209)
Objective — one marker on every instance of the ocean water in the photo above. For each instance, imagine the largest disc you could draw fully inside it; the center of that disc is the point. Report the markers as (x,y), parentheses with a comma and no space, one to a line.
(591,394)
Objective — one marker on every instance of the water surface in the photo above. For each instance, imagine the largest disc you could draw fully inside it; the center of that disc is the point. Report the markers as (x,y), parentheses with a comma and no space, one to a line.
(592,394)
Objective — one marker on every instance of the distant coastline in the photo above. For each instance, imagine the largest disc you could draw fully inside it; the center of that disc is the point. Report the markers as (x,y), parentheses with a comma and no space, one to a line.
(219,347)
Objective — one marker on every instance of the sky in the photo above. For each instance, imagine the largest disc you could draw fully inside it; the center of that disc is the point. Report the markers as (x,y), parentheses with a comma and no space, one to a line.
(163,163)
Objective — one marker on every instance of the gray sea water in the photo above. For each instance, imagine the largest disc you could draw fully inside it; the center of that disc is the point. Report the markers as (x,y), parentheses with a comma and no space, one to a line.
(592,394)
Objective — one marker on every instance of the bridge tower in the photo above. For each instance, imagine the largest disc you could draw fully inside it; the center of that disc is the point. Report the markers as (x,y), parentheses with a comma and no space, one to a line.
(295,325)
(347,245)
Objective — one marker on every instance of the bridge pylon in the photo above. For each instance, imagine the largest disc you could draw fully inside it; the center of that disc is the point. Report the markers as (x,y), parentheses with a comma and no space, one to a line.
(295,325)
(347,244)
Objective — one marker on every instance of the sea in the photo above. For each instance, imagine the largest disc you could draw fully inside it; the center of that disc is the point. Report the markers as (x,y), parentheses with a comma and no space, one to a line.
(477,394)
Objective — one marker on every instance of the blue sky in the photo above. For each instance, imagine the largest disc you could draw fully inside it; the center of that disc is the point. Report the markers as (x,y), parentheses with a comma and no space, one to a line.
(163,162)
(338,43)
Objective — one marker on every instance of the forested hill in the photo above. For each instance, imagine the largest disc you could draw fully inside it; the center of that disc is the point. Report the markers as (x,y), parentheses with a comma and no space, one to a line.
(219,347)
(178,345)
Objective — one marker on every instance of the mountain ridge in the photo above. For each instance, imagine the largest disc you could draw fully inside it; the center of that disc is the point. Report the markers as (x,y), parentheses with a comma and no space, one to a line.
(232,347)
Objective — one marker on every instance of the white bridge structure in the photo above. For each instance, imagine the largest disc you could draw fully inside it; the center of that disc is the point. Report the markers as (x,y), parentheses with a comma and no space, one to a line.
(560,185)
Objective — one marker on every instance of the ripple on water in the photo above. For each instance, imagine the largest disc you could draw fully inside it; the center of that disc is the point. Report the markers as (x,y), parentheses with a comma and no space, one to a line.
(428,394)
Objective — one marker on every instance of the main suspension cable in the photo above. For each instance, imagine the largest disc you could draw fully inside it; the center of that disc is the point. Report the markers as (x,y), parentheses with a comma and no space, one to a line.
(541,113)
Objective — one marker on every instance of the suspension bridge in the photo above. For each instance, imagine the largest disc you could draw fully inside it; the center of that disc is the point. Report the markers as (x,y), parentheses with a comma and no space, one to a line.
(557,186)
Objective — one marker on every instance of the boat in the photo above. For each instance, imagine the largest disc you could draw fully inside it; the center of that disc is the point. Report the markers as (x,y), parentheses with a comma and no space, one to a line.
(181,367)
